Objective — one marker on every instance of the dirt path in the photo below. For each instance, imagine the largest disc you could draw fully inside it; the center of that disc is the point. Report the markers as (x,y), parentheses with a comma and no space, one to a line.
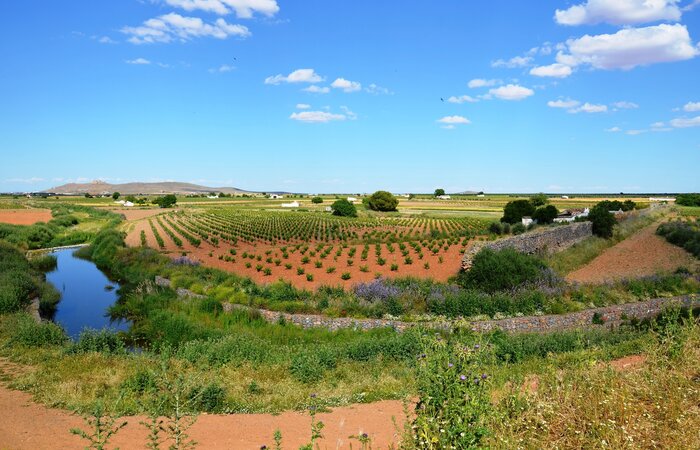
(644,253)
(29,426)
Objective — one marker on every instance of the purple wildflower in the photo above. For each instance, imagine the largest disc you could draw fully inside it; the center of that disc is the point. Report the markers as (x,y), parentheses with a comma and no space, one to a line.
(462,377)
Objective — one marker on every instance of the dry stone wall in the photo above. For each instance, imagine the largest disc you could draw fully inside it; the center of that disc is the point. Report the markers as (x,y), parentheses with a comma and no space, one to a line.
(547,240)
(611,316)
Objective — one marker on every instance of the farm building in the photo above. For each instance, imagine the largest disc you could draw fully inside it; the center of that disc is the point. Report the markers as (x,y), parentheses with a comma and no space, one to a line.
(128,204)
(353,200)
(565,196)
(276,196)
(444,197)
(570,215)
(294,204)
(527,221)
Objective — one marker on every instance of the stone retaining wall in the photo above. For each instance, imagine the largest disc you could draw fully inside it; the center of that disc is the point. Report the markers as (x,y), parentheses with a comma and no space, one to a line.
(547,240)
(610,315)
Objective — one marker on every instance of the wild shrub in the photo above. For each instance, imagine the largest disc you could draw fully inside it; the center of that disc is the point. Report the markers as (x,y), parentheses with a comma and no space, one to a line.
(493,271)
(97,341)
(453,397)
(28,333)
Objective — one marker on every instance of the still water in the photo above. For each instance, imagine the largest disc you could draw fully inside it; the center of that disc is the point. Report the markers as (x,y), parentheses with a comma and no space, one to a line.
(86,294)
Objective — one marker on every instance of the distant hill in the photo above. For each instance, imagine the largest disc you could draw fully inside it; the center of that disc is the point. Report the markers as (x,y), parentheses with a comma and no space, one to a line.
(98,187)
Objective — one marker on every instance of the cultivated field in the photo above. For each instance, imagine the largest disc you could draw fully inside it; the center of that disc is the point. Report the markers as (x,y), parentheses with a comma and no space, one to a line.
(312,249)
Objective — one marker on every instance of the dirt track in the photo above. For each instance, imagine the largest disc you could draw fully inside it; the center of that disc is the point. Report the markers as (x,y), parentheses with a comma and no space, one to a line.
(644,253)
(30,426)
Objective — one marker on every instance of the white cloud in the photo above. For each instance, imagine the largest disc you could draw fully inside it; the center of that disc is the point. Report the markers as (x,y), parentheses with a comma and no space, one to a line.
(349,114)
(171,27)
(691,107)
(511,92)
(105,40)
(224,68)
(589,108)
(517,61)
(630,47)
(614,130)
(563,103)
(317,89)
(555,70)
(346,85)
(138,61)
(374,89)
(316,116)
(619,12)
(243,8)
(683,122)
(625,105)
(454,120)
(635,132)
(462,99)
(298,76)
(303,106)
(480,82)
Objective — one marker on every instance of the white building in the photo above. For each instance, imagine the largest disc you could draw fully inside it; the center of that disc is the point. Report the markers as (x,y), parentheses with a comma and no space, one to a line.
(480,195)
(444,197)
(571,215)
(353,200)
(128,204)
(276,196)
(527,221)
(564,196)
(294,204)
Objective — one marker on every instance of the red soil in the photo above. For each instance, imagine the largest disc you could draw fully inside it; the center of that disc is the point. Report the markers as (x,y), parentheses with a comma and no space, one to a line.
(24,216)
(29,426)
(628,363)
(136,214)
(437,271)
(644,253)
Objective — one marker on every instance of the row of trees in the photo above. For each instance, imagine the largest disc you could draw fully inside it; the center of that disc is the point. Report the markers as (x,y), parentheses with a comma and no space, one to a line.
(383,201)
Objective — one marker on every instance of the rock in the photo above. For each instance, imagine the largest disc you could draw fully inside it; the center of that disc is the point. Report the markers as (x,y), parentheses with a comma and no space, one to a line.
(162,282)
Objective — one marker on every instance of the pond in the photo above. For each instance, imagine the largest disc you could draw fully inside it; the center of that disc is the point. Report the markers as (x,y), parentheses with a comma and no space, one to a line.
(86,295)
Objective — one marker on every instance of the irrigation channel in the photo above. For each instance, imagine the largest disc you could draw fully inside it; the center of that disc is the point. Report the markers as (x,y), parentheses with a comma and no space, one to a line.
(86,294)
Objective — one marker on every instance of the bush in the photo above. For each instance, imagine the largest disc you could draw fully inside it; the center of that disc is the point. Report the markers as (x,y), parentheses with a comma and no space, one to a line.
(43,263)
(100,341)
(545,214)
(382,201)
(317,200)
(343,208)
(32,334)
(518,228)
(603,221)
(496,228)
(688,199)
(514,211)
(500,270)
(167,201)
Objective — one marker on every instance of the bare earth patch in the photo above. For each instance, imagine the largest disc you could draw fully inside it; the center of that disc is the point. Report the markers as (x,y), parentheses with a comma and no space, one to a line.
(137,214)
(628,363)
(29,426)
(644,253)
(24,216)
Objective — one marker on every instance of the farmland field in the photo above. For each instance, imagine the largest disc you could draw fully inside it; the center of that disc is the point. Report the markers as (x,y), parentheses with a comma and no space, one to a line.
(311,249)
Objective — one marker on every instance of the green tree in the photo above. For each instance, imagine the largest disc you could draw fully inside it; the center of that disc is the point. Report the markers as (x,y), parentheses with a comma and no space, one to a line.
(545,214)
(116,195)
(517,209)
(539,200)
(382,201)
(344,208)
(317,200)
(500,270)
(603,221)
(439,192)
(167,201)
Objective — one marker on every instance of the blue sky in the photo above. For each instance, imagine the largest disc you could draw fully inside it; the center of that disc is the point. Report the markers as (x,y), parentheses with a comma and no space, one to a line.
(353,96)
